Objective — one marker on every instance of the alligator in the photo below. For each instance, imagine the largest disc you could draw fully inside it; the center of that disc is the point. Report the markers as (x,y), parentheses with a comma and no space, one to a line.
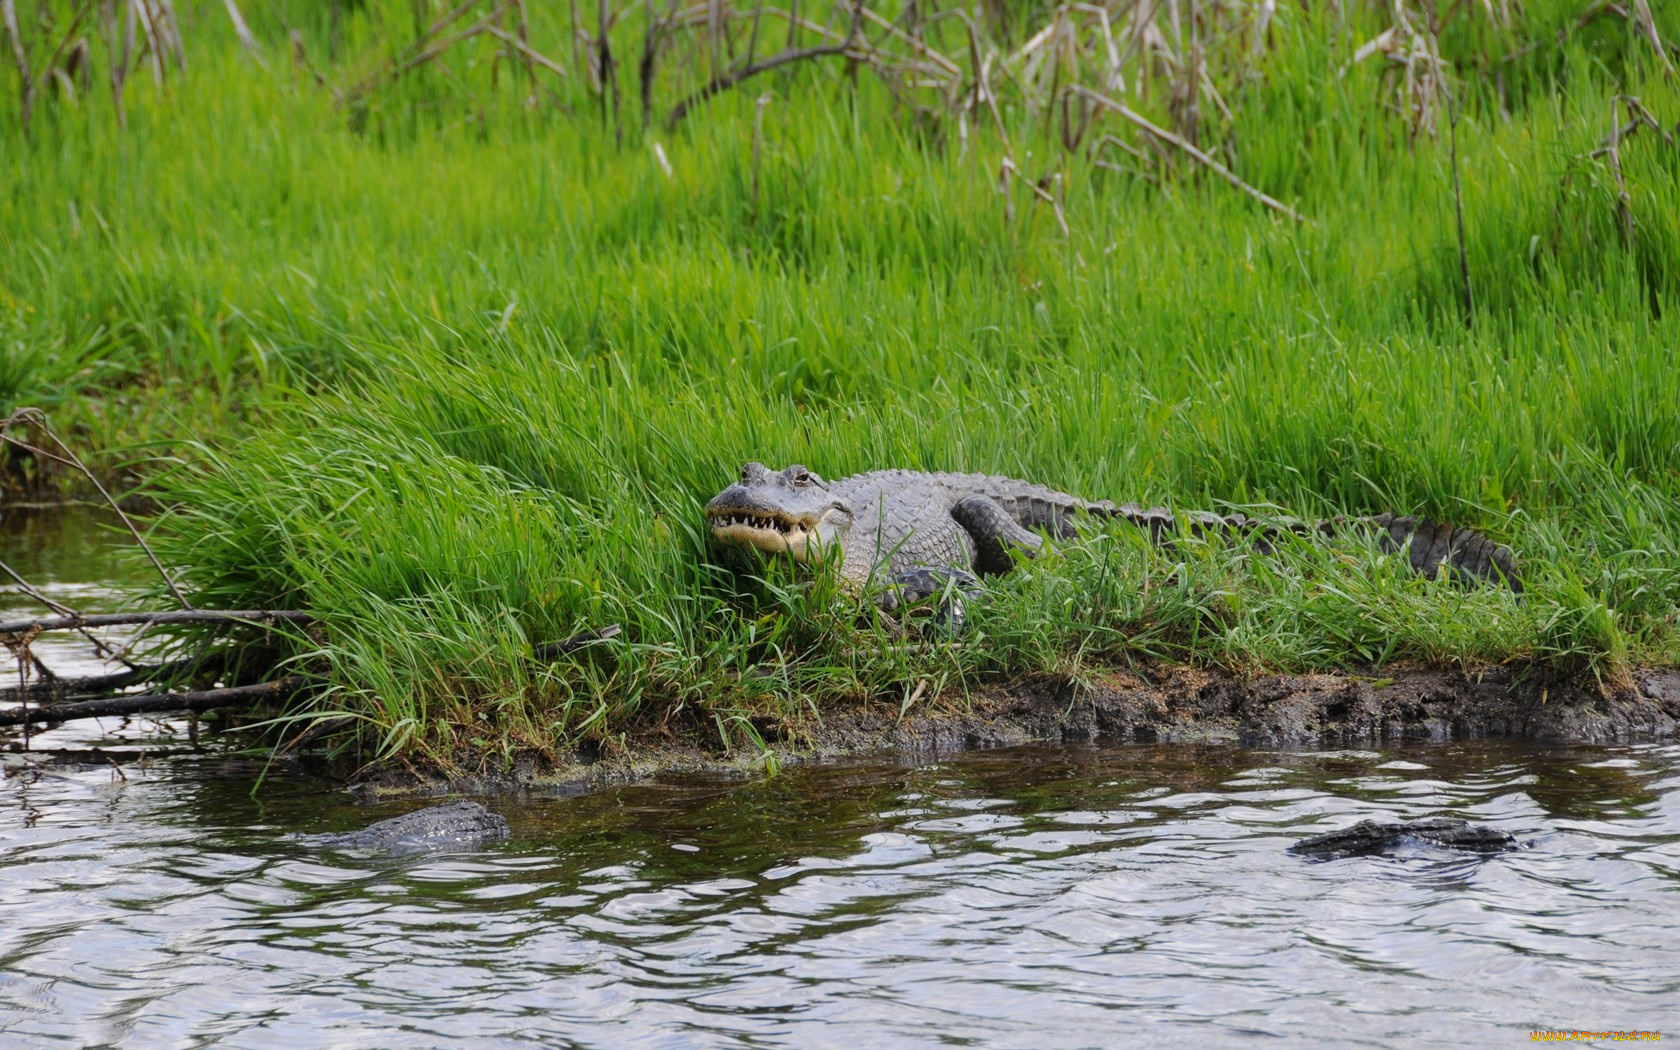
(451,826)
(1370,837)
(907,535)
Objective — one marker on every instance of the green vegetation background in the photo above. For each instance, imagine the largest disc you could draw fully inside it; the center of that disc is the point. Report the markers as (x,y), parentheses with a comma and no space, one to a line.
(457,373)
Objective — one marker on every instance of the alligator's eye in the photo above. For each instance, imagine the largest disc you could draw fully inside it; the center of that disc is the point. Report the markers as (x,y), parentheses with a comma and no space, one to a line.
(746,475)
(802,478)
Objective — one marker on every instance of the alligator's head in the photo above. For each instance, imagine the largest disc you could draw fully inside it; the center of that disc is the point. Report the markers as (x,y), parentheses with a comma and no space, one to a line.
(788,511)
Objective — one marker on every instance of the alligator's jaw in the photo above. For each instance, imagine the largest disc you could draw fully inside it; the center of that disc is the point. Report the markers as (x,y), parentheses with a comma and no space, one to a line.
(771,533)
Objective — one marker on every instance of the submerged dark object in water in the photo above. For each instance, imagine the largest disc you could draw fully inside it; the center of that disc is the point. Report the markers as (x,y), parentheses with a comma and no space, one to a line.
(453,825)
(1370,836)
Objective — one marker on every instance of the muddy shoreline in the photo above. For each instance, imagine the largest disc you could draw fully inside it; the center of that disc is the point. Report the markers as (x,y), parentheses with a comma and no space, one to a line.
(1151,705)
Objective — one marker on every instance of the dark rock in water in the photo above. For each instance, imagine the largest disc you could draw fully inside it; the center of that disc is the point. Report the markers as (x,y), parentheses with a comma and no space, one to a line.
(453,825)
(1370,836)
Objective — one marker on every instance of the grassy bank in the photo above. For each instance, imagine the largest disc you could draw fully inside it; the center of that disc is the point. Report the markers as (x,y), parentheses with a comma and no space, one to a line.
(485,361)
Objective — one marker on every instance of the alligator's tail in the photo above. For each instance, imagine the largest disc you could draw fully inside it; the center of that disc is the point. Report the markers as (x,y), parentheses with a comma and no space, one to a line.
(1468,556)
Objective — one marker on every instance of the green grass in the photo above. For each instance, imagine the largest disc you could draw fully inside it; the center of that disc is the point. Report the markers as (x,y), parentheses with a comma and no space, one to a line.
(462,375)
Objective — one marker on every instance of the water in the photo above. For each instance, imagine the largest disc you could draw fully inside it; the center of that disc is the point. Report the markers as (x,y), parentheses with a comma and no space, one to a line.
(1031,897)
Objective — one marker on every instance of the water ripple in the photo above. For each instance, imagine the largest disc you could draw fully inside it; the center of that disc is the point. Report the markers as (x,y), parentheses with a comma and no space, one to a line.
(1078,897)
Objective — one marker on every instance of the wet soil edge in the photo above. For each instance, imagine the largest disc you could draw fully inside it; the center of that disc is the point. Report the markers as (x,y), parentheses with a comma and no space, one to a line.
(1151,705)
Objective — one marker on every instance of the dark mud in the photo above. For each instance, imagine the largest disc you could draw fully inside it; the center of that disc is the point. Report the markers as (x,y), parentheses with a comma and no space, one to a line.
(1159,705)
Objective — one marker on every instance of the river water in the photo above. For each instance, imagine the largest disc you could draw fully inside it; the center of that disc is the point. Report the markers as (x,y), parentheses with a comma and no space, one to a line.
(1029,897)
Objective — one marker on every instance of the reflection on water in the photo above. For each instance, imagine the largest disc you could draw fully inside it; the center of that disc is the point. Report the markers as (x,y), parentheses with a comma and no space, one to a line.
(75,556)
(1032,897)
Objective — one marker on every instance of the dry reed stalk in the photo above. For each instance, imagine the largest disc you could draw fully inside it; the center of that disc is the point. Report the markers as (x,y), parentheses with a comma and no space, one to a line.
(785,57)
(300,59)
(1648,25)
(120,67)
(522,27)
(52,69)
(530,53)
(8,16)
(982,84)
(1042,193)
(151,48)
(921,47)
(1458,209)
(483,25)
(658,28)
(714,25)
(1165,136)
(418,45)
(1624,203)
(605,64)
(243,32)
(1006,175)
(171,30)
(757,145)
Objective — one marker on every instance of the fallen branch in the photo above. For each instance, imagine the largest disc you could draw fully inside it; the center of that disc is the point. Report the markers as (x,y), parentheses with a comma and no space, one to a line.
(1171,139)
(267,617)
(203,700)
(57,690)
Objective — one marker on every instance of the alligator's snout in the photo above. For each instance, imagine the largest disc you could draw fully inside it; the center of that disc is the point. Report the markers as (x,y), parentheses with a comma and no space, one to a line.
(776,511)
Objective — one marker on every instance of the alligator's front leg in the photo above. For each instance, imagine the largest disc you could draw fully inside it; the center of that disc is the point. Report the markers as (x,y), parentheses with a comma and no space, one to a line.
(909,586)
(996,534)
